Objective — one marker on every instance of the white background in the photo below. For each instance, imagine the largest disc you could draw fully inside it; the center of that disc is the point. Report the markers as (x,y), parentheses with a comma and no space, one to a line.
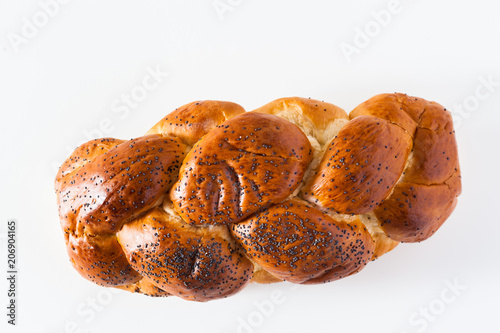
(63,81)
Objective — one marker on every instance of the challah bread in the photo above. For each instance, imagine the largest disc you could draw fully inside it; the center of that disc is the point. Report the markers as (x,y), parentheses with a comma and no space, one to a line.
(213,197)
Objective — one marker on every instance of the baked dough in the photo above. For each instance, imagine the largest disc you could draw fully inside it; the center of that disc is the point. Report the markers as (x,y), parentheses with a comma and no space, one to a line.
(213,197)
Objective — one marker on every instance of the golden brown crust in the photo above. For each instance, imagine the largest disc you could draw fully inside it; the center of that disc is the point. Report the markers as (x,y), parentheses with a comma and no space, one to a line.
(360,167)
(399,109)
(300,244)
(414,212)
(426,193)
(97,197)
(383,243)
(315,118)
(435,155)
(234,215)
(85,153)
(143,286)
(249,162)
(181,261)
(100,259)
(264,277)
(125,181)
(192,121)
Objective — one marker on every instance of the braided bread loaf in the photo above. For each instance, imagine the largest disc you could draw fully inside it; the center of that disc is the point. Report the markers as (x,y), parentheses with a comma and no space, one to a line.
(213,197)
